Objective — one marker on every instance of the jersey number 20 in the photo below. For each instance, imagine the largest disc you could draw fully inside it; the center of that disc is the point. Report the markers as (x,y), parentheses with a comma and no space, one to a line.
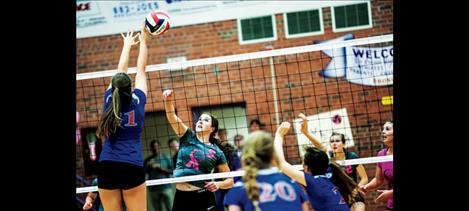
(281,189)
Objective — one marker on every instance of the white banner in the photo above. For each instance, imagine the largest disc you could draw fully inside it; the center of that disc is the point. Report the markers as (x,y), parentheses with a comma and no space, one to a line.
(336,67)
(370,66)
(360,65)
(321,127)
(98,18)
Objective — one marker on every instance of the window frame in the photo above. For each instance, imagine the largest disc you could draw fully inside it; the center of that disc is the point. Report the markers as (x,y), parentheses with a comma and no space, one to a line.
(352,28)
(240,31)
(321,25)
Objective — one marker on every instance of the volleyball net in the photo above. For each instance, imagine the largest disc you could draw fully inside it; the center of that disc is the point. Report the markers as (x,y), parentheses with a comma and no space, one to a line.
(239,173)
(342,86)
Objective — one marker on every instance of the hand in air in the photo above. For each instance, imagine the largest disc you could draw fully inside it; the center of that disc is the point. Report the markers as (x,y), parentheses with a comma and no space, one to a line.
(282,130)
(304,123)
(129,38)
(167,94)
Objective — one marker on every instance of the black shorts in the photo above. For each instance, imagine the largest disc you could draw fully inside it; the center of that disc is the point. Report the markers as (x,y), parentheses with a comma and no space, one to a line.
(199,200)
(119,175)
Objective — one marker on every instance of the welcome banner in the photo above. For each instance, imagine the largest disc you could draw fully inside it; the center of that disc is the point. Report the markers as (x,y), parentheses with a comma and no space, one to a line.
(360,65)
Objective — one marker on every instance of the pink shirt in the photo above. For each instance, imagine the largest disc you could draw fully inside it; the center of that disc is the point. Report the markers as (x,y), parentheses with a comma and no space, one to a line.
(387,173)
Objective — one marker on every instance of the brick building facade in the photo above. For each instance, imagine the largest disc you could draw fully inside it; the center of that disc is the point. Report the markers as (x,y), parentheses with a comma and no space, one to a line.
(300,88)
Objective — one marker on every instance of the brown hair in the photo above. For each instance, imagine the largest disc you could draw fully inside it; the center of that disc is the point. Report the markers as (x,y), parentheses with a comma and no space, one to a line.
(318,163)
(121,95)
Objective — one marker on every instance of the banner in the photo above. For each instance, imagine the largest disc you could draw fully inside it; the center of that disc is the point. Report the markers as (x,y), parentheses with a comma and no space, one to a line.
(360,65)
(321,127)
(98,18)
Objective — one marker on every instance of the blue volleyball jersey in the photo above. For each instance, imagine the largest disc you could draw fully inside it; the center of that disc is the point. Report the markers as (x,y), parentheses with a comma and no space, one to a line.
(195,157)
(126,146)
(323,194)
(276,192)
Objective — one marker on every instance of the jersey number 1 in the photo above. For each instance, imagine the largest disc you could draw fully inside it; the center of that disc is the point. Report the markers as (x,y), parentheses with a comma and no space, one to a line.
(131,119)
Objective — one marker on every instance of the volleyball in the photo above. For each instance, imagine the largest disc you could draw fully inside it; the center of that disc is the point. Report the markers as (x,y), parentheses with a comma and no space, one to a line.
(157,22)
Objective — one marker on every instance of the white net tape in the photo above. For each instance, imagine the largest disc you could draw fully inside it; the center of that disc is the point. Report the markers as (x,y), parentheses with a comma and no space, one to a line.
(246,56)
(368,160)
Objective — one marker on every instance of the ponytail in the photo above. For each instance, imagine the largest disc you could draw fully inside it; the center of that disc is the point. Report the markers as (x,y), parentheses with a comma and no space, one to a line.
(121,95)
(258,153)
(111,119)
(348,188)
(318,164)
(250,168)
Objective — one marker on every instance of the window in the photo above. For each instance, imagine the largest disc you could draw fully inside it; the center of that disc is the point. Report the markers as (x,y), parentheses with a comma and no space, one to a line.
(157,127)
(232,117)
(351,17)
(256,30)
(303,23)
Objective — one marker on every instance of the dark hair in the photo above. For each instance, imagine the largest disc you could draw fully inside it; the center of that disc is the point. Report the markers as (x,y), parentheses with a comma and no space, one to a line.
(226,148)
(257,122)
(342,136)
(238,136)
(318,164)
(121,95)
(223,131)
(171,140)
(214,125)
(212,138)
(316,160)
(152,144)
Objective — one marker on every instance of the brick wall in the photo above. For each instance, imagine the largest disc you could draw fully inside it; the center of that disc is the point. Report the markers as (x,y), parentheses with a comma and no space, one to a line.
(300,88)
